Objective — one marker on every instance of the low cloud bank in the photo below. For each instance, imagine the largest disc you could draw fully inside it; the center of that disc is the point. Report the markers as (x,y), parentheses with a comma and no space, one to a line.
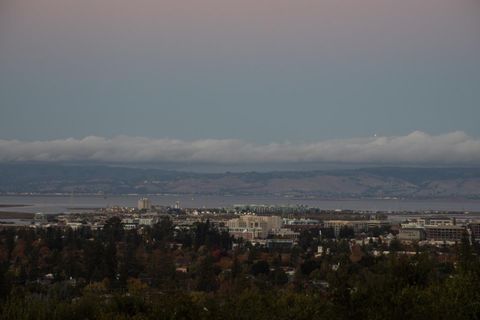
(454,148)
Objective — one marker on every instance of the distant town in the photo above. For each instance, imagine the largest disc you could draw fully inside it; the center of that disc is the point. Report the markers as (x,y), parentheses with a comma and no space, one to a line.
(269,225)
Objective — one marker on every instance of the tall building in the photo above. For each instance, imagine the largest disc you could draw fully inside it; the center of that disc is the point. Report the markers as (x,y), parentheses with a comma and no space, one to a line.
(144,204)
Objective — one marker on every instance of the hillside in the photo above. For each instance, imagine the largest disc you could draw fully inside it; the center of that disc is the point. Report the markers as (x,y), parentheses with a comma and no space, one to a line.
(356,183)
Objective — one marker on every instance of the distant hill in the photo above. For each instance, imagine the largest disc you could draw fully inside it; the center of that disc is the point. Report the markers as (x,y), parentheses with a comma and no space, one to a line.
(413,183)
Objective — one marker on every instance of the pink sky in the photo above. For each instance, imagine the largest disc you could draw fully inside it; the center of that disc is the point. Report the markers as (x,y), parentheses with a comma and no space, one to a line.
(365,25)
(370,64)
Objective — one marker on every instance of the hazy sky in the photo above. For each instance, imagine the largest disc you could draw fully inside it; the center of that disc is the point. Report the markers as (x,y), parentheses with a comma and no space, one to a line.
(256,70)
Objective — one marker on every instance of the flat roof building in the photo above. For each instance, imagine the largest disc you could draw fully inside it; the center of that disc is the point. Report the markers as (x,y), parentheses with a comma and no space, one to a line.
(445,233)
(251,224)
(475,229)
(411,234)
(358,226)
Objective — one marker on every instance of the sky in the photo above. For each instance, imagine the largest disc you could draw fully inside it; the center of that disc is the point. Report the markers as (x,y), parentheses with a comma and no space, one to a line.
(299,74)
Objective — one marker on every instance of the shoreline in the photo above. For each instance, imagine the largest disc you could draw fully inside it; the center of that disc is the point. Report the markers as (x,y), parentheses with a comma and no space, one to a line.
(209,195)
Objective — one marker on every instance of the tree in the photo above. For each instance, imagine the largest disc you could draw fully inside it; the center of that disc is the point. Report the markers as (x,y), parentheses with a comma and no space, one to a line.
(395,245)
(346,233)
(113,230)
(206,279)
(163,230)
(260,267)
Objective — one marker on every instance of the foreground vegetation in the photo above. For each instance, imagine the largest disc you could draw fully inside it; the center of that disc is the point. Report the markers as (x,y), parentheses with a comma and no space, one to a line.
(168,273)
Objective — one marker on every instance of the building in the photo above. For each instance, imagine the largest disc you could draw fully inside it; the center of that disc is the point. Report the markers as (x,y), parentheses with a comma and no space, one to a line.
(145,221)
(40,218)
(436,221)
(75,225)
(144,204)
(254,226)
(247,233)
(286,233)
(411,234)
(358,226)
(475,229)
(299,225)
(445,233)
(269,209)
(278,244)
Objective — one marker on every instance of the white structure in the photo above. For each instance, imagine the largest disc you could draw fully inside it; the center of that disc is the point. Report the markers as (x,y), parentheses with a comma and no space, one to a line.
(254,226)
(145,221)
(74,225)
(411,234)
(40,218)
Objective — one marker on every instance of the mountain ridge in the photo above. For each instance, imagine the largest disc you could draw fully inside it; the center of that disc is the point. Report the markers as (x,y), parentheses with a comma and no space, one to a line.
(372,182)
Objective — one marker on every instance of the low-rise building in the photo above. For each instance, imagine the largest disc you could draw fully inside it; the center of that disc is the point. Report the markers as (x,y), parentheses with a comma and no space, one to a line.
(286,233)
(248,226)
(411,234)
(358,226)
(445,233)
(247,233)
(475,229)
(436,221)
(75,225)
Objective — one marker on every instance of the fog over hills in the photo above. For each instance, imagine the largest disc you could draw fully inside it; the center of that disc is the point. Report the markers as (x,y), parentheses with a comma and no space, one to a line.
(417,148)
(412,183)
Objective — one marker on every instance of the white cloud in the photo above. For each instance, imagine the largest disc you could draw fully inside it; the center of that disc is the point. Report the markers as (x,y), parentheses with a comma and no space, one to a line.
(415,148)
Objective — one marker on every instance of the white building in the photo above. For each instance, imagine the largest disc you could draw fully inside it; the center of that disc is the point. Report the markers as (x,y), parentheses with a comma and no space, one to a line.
(254,226)
(411,234)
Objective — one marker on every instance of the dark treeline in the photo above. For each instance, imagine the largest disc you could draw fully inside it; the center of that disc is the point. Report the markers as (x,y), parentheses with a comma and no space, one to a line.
(165,272)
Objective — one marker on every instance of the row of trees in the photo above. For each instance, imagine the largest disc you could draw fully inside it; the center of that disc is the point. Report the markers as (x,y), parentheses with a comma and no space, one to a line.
(28,255)
(169,273)
(455,298)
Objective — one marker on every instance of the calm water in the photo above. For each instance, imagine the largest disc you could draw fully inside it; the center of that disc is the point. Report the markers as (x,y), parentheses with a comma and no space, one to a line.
(58,204)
